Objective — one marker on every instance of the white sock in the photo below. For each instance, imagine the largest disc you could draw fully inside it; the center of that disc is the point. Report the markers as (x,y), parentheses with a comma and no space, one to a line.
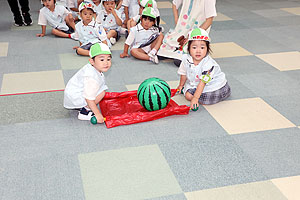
(153,51)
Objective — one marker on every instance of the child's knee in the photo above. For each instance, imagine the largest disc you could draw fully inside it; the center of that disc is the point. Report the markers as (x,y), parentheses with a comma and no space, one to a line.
(188,96)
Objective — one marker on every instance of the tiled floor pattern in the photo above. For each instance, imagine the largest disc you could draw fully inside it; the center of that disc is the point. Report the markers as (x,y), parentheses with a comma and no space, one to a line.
(224,168)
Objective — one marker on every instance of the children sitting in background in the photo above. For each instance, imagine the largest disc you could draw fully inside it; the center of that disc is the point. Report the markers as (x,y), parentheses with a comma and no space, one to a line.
(143,4)
(87,87)
(131,9)
(110,18)
(201,78)
(144,39)
(58,17)
(73,7)
(88,31)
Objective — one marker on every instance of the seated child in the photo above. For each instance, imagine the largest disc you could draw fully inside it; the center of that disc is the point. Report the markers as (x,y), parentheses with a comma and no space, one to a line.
(144,3)
(144,39)
(73,7)
(201,78)
(58,17)
(110,18)
(88,31)
(131,9)
(87,87)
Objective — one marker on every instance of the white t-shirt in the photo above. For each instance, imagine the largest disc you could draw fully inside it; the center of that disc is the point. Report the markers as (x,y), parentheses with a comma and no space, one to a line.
(133,7)
(87,83)
(194,73)
(55,19)
(108,21)
(92,33)
(209,7)
(138,35)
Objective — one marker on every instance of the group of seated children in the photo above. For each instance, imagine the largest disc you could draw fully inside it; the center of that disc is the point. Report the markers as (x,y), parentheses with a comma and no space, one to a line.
(103,22)
(201,78)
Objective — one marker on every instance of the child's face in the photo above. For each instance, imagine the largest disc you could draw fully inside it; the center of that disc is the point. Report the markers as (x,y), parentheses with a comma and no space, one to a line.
(147,22)
(96,2)
(109,5)
(101,62)
(198,50)
(49,3)
(86,15)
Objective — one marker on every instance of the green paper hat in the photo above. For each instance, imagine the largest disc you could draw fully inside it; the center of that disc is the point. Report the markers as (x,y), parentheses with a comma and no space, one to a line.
(148,11)
(98,49)
(146,3)
(84,5)
(199,34)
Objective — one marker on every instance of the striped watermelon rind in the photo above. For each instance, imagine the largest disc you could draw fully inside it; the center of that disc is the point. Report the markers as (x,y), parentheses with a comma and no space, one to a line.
(154,94)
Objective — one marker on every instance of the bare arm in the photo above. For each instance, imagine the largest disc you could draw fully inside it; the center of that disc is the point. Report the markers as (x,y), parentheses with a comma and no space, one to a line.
(181,83)
(207,23)
(92,105)
(175,13)
(43,32)
(118,20)
(197,94)
(119,4)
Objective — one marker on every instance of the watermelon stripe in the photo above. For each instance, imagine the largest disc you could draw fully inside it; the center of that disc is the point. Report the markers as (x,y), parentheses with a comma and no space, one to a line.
(143,99)
(150,100)
(164,83)
(158,97)
(166,95)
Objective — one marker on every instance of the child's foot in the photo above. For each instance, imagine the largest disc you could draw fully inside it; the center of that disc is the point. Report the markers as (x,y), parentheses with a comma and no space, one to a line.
(85,114)
(153,58)
(27,19)
(18,21)
(123,30)
(112,40)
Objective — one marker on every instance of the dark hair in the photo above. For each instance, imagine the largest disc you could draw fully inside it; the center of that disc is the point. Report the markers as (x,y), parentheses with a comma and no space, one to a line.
(100,54)
(209,51)
(147,17)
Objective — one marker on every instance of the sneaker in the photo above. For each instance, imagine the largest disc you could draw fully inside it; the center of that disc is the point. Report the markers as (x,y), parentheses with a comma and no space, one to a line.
(112,40)
(18,21)
(153,58)
(85,114)
(27,19)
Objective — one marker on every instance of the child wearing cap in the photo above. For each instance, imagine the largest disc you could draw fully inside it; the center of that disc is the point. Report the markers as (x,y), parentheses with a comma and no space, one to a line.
(87,87)
(201,78)
(88,31)
(58,17)
(111,20)
(144,38)
(143,4)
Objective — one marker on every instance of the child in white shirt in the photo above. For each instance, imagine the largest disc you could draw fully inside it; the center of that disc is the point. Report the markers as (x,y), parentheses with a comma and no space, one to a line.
(145,38)
(88,31)
(58,17)
(87,87)
(201,78)
(143,4)
(110,18)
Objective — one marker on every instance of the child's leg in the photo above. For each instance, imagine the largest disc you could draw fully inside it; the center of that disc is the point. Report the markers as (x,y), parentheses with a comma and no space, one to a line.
(59,33)
(139,54)
(83,52)
(70,21)
(111,33)
(188,96)
(131,23)
(157,42)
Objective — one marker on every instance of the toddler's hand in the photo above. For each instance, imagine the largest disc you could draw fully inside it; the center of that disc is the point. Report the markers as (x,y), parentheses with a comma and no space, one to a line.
(40,35)
(194,103)
(123,55)
(179,88)
(76,47)
(100,119)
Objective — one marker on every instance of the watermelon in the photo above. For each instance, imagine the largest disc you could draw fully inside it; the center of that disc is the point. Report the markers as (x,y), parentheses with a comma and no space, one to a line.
(154,94)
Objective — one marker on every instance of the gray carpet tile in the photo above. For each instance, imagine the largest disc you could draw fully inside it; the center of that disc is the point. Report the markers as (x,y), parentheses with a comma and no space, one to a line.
(276,152)
(32,107)
(209,163)
(171,197)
